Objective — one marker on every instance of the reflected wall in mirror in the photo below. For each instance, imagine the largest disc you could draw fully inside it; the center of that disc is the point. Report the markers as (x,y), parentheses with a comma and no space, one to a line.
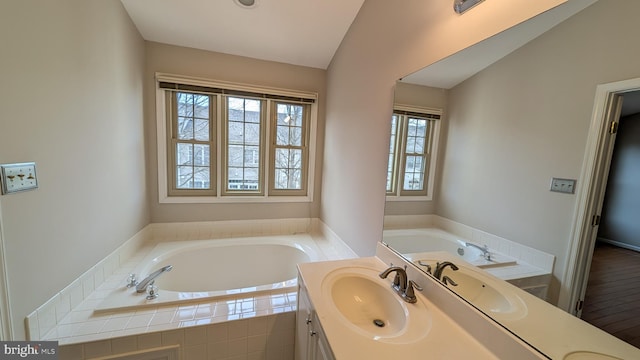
(517,111)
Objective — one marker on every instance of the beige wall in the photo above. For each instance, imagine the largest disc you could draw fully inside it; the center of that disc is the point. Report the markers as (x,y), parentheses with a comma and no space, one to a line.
(386,41)
(71,100)
(216,66)
(525,120)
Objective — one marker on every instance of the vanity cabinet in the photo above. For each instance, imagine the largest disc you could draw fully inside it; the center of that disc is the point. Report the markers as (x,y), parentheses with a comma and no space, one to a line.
(311,342)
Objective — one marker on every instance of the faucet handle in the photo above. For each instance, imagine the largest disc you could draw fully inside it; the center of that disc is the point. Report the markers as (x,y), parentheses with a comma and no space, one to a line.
(447,280)
(131,280)
(409,294)
(420,262)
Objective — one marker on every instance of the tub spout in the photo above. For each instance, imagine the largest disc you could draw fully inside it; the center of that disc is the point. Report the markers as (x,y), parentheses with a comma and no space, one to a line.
(142,285)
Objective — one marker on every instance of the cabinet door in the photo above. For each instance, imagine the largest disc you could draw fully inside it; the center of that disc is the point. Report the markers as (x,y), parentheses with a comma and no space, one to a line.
(321,348)
(303,342)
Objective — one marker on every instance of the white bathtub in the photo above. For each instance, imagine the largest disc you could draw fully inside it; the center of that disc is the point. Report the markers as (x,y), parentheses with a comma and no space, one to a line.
(211,269)
(416,241)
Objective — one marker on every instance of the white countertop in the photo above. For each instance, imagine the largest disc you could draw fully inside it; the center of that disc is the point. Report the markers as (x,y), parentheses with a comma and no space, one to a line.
(556,333)
(446,339)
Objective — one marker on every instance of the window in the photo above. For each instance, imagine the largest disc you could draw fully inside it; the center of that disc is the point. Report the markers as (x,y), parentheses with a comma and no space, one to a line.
(290,134)
(231,143)
(411,164)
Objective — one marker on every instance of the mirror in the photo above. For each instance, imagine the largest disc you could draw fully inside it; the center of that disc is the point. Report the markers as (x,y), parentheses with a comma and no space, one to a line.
(450,85)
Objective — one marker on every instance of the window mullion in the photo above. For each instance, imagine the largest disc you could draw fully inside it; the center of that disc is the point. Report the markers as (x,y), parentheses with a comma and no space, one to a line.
(267,145)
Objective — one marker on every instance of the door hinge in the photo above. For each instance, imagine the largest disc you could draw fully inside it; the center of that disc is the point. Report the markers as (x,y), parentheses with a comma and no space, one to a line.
(595,221)
(613,128)
(579,305)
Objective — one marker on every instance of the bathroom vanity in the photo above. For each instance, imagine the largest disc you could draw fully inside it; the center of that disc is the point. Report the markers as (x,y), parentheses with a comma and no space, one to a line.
(347,311)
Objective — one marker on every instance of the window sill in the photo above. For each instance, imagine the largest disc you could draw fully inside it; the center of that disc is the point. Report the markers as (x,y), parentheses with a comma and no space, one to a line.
(233,199)
(409,198)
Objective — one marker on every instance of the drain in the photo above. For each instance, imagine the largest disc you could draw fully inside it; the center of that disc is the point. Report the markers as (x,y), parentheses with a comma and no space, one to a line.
(460,251)
(378,323)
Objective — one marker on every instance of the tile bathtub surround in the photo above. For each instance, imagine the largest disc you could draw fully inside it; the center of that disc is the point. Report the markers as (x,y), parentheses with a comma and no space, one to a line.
(268,337)
(46,317)
(522,253)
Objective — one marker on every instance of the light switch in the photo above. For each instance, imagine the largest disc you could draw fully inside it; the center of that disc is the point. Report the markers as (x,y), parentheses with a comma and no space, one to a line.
(567,186)
(18,177)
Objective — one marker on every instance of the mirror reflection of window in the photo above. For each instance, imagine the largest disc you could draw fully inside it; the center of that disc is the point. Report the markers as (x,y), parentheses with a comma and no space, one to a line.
(411,153)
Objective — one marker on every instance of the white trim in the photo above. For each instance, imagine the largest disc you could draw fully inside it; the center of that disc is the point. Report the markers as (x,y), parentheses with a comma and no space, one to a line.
(433,158)
(161,135)
(6,322)
(620,244)
(189,80)
(418,109)
(581,244)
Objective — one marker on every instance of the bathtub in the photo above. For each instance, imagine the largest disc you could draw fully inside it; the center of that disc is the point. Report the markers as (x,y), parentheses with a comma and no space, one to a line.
(410,242)
(206,270)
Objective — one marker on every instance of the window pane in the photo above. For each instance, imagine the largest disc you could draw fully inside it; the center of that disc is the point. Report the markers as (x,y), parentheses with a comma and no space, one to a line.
(185,128)
(185,104)
(252,134)
(251,156)
(411,145)
(282,135)
(296,136)
(243,143)
(392,152)
(201,155)
(201,129)
(184,154)
(414,173)
(184,177)
(288,169)
(201,106)
(288,179)
(252,110)
(235,155)
(201,178)
(236,132)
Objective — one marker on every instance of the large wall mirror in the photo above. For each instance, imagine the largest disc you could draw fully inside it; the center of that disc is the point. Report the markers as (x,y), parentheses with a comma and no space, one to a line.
(423,131)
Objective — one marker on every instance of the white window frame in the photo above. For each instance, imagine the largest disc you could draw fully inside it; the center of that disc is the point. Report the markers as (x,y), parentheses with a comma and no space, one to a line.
(220,197)
(431,170)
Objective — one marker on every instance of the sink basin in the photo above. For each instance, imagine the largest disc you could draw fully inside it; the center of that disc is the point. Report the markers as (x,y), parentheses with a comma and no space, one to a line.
(493,296)
(367,305)
(588,355)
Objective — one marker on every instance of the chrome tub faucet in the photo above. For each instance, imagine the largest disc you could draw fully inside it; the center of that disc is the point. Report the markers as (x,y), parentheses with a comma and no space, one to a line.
(485,250)
(142,285)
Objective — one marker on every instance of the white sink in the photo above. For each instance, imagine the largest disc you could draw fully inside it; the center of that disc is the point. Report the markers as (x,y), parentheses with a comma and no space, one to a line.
(491,295)
(368,305)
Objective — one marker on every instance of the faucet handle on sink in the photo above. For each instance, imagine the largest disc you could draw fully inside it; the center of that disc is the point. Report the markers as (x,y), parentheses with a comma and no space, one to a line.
(409,294)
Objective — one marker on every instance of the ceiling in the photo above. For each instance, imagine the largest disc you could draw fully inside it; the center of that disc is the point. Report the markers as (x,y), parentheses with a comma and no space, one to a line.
(308,33)
(460,66)
(299,32)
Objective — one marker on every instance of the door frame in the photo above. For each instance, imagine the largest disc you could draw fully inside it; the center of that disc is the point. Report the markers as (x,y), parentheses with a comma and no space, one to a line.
(6,322)
(590,193)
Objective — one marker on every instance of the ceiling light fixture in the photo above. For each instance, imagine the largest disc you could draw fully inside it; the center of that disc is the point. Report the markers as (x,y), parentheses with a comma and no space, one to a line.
(246,4)
(461,6)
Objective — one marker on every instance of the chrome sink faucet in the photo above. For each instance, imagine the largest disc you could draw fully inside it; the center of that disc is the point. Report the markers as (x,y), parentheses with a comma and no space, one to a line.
(485,250)
(437,273)
(142,285)
(402,286)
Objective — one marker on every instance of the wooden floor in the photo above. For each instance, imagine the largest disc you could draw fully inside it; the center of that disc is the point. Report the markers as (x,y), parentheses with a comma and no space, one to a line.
(612,300)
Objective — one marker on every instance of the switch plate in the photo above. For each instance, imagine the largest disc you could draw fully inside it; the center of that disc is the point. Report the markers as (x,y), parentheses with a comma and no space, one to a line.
(18,177)
(567,186)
